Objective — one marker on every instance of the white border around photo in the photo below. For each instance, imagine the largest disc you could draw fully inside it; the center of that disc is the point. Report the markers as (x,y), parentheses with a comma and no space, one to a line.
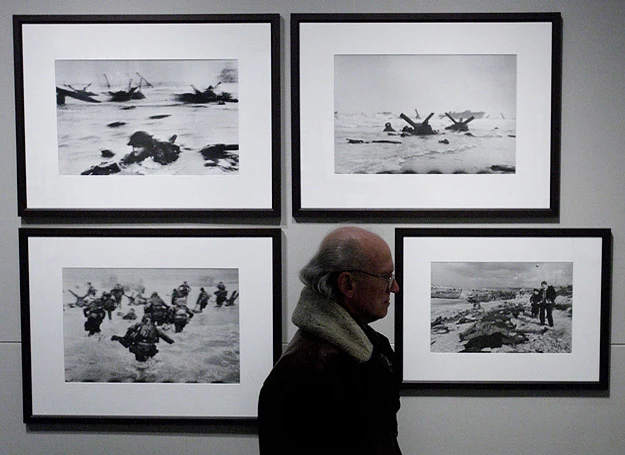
(252,254)
(587,253)
(249,43)
(529,188)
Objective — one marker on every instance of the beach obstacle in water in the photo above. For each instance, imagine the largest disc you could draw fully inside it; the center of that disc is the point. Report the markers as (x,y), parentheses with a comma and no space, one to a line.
(461,125)
(419,129)
(78,94)
(222,156)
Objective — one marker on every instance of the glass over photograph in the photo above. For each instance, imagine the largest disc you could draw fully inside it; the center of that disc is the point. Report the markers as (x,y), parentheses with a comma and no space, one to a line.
(147,117)
(505,307)
(151,325)
(425,114)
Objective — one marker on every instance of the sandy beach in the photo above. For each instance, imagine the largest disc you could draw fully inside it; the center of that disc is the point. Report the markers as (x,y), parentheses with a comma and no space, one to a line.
(462,316)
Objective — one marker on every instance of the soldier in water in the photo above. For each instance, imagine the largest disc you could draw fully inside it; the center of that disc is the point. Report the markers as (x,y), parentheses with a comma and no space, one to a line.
(202,300)
(144,146)
(220,294)
(157,309)
(181,316)
(141,339)
(95,313)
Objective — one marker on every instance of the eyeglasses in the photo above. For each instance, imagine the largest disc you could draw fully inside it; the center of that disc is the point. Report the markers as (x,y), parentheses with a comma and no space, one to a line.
(389,278)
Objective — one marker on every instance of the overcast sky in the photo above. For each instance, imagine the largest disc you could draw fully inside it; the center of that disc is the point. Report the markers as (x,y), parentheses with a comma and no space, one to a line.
(475,275)
(429,83)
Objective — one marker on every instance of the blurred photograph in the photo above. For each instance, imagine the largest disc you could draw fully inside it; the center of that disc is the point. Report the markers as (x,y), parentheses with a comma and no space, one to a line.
(151,325)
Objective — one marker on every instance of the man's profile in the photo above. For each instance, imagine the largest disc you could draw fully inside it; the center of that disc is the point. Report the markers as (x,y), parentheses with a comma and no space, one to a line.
(334,390)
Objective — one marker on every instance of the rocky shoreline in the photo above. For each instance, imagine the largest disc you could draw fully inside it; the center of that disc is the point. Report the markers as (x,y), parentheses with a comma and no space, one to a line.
(502,326)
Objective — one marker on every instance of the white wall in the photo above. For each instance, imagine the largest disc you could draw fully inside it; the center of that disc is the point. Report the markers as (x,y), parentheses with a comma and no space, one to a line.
(593,180)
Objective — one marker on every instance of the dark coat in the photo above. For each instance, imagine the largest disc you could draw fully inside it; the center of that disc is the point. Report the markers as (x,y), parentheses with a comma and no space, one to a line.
(550,294)
(319,399)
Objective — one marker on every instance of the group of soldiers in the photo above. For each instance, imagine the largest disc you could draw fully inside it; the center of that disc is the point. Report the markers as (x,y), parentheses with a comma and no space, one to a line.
(97,309)
(141,338)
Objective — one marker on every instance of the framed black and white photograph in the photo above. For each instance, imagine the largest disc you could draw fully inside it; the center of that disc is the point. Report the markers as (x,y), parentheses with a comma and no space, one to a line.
(426,114)
(124,324)
(166,114)
(509,308)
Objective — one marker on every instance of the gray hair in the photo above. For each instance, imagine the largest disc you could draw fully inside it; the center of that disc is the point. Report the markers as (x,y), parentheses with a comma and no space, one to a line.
(335,255)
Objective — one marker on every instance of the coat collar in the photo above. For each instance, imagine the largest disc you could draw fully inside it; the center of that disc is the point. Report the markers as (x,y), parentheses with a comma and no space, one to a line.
(329,321)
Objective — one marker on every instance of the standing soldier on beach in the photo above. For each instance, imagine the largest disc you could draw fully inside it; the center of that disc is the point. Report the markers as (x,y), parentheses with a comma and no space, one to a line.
(546,306)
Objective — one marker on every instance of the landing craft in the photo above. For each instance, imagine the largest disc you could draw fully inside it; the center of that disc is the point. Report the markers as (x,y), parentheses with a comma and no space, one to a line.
(465,114)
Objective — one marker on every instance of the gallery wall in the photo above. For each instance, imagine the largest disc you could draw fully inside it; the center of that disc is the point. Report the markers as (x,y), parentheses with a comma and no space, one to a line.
(430,422)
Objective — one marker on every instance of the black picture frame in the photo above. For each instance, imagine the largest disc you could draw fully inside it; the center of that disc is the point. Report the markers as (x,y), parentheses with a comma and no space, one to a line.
(348,78)
(464,318)
(228,161)
(210,370)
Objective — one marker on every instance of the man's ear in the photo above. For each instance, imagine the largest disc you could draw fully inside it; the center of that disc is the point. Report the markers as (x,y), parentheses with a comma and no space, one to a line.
(346,284)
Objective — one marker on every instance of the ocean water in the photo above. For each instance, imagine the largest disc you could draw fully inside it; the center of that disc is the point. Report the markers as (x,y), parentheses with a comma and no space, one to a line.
(492,142)
(206,351)
(447,307)
(85,129)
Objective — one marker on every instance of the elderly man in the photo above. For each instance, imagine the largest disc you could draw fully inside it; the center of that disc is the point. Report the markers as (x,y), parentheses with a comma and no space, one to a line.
(334,390)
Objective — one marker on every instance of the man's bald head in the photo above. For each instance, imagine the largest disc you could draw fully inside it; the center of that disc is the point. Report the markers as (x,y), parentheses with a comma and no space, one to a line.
(345,248)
